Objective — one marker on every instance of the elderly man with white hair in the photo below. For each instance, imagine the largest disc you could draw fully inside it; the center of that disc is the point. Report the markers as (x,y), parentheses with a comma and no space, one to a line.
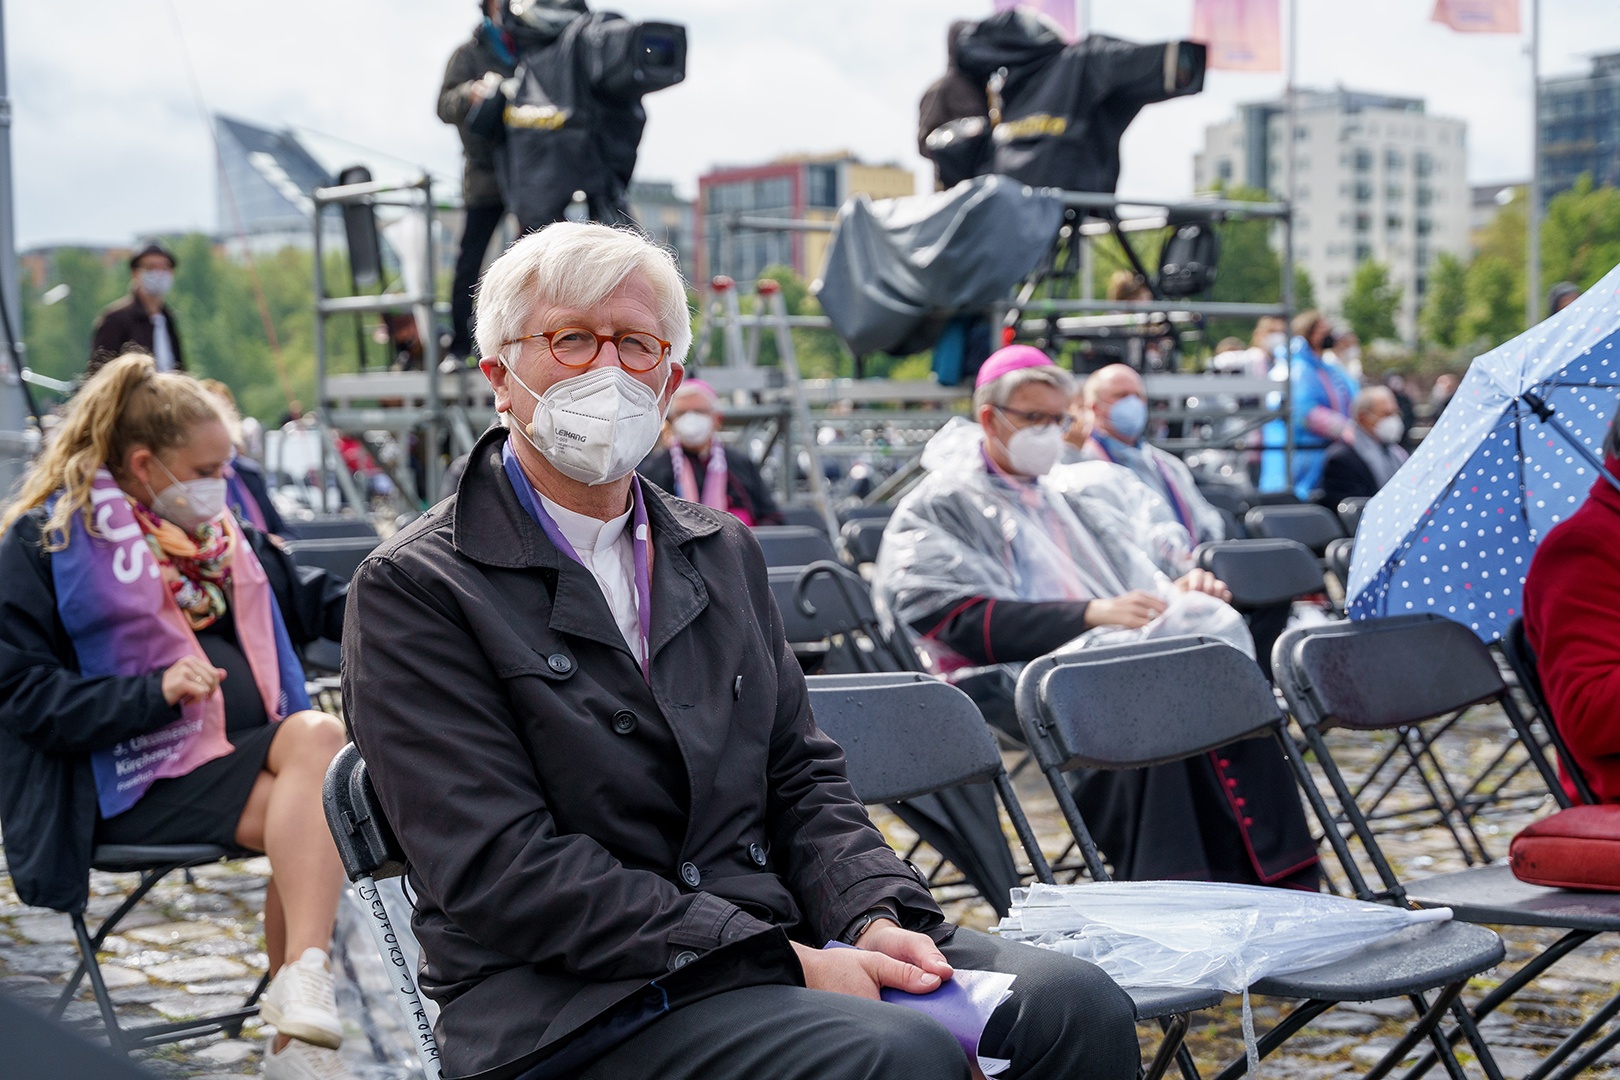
(628,841)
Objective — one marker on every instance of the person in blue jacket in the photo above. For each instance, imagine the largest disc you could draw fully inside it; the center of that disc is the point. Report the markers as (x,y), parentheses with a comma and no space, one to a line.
(1321,396)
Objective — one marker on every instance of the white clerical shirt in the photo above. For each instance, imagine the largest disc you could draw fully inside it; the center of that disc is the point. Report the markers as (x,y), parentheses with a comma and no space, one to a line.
(605,549)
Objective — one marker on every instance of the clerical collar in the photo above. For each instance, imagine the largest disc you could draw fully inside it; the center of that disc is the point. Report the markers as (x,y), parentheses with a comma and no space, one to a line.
(585,533)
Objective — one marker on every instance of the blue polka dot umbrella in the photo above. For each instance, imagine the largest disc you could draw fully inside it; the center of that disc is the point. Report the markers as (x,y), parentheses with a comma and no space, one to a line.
(1514,454)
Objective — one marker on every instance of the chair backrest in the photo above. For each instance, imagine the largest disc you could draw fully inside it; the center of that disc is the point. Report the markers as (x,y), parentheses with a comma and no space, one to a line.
(862,538)
(904,734)
(877,512)
(338,556)
(1126,706)
(1225,497)
(1261,573)
(365,842)
(1527,669)
(1383,673)
(1311,525)
(1338,556)
(803,517)
(327,528)
(1350,513)
(794,545)
(818,610)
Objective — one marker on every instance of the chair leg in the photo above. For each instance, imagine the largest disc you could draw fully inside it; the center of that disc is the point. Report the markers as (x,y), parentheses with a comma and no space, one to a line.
(1573,1042)
(1175,1031)
(97,986)
(233,1029)
(1588,1059)
(1285,1030)
(149,878)
(1427,1020)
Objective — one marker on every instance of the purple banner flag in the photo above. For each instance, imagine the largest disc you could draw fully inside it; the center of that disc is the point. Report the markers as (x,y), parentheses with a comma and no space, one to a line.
(1059,11)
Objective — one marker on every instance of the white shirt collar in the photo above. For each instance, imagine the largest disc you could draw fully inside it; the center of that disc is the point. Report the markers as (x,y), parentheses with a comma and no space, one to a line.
(585,533)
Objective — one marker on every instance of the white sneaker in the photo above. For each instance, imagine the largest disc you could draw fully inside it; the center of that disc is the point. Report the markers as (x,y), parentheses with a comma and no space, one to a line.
(301,1061)
(300,1003)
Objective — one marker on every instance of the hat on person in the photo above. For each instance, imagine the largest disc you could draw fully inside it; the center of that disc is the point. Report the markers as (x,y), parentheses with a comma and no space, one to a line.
(1006,360)
(152,247)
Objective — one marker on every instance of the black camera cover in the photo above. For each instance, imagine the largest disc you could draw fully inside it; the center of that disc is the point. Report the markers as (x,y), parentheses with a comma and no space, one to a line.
(574,117)
(1063,107)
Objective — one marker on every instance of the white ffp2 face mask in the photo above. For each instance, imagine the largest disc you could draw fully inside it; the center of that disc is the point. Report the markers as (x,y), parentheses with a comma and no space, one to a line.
(189,503)
(694,429)
(1390,429)
(1033,451)
(595,427)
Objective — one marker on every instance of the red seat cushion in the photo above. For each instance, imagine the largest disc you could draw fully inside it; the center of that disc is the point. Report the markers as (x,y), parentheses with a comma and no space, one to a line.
(1577,848)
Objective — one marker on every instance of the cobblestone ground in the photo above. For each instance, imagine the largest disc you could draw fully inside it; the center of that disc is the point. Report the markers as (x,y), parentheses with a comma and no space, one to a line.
(198,948)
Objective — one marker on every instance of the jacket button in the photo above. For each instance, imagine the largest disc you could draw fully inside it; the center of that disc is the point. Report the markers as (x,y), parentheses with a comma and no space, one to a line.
(624,722)
(690,874)
(756,853)
(681,959)
(559,663)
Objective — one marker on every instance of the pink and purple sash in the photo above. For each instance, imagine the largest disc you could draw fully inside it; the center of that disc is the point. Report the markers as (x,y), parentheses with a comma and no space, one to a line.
(118,612)
(716,492)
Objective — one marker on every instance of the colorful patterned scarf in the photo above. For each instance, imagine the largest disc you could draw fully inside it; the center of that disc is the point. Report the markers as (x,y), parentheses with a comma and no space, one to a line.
(118,594)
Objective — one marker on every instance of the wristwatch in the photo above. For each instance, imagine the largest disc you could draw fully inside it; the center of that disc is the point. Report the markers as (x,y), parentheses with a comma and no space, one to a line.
(853,932)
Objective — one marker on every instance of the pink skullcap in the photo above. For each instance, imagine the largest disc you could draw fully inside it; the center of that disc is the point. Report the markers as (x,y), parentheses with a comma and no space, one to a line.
(701,387)
(1009,359)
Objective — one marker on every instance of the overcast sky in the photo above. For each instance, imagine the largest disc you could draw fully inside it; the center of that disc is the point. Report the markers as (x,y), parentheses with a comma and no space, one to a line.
(109,142)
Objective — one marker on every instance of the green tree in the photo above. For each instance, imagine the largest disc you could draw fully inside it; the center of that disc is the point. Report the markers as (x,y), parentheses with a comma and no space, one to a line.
(1495,310)
(1372,302)
(1251,269)
(1441,318)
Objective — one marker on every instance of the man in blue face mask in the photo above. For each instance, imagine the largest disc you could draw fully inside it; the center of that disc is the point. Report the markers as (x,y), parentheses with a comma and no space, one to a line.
(1117,402)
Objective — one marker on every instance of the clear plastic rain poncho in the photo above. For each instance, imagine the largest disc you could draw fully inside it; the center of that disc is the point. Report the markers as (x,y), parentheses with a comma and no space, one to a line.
(966,532)
(1201,934)
(1113,502)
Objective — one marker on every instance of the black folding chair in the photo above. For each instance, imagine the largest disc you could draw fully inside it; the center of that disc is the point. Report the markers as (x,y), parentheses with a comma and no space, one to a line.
(1337,558)
(369,851)
(340,527)
(153,862)
(803,517)
(339,556)
(906,734)
(1152,702)
(1521,659)
(1350,513)
(1448,660)
(794,545)
(862,538)
(1312,525)
(830,622)
(1404,672)
(877,512)
(1262,573)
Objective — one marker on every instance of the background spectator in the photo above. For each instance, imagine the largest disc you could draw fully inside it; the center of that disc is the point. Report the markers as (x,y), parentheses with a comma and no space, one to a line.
(695,465)
(140,320)
(466,83)
(1361,466)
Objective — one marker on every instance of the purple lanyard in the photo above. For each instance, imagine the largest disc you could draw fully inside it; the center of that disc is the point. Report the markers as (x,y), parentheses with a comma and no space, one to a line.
(1178,505)
(639,534)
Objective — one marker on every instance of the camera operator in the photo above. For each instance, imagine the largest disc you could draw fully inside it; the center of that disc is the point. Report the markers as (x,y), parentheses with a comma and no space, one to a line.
(474,69)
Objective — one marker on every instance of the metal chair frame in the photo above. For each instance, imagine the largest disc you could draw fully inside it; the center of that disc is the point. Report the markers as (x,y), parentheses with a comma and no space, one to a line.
(369,851)
(1581,916)
(153,863)
(1149,745)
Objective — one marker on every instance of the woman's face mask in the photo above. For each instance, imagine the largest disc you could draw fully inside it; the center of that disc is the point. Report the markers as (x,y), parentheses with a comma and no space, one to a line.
(595,427)
(189,503)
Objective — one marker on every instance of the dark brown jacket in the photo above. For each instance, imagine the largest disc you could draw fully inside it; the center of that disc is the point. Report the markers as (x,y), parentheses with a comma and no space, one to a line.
(125,323)
(467,65)
(574,833)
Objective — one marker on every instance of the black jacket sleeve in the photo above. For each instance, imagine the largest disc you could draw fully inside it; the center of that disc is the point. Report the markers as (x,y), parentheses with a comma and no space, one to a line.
(1345,476)
(44,701)
(1005,631)
(455,92)
(311,600)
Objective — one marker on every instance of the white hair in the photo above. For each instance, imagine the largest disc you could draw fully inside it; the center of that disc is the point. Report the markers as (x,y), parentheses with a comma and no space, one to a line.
(575,264)
(998,392)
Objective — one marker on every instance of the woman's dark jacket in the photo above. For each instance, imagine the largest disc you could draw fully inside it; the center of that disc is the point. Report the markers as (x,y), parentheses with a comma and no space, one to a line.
(745,487)
(574,833)
(51,717)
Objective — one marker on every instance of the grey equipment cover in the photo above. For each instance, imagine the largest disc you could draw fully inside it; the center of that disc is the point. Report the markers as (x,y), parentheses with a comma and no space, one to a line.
(898,269)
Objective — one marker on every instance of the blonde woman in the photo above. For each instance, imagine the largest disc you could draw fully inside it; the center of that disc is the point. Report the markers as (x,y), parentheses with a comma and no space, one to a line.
(149,692)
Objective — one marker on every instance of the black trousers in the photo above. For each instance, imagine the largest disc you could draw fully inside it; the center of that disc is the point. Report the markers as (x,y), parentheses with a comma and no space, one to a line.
(1065,1019)
(477,229)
